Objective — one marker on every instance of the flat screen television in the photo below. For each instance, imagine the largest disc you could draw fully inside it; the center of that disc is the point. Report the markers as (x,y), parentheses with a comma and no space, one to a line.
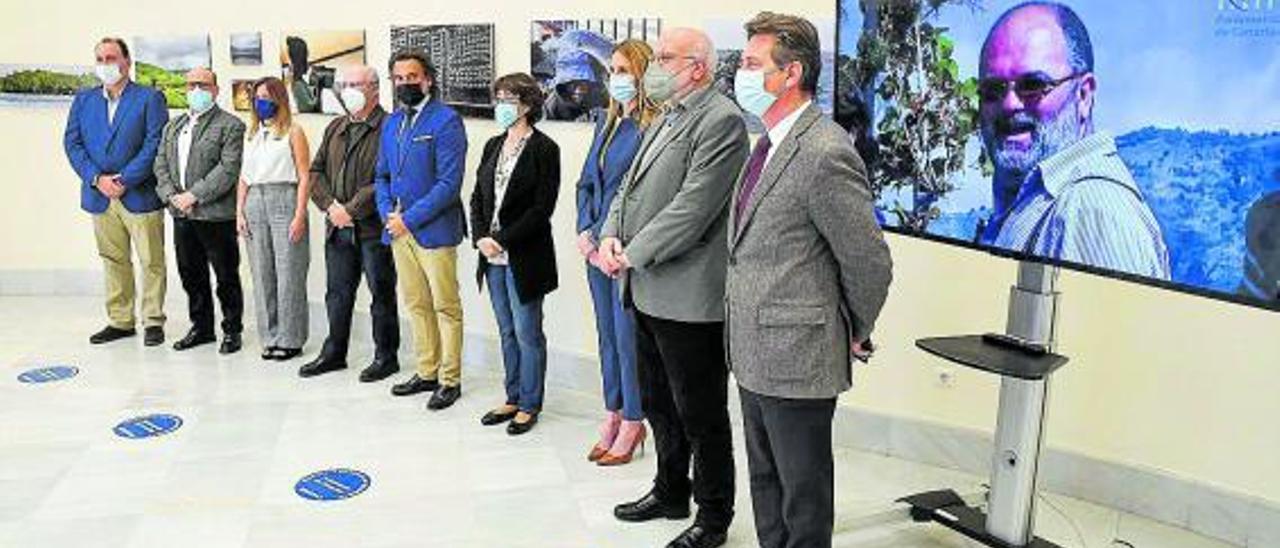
(1134,139)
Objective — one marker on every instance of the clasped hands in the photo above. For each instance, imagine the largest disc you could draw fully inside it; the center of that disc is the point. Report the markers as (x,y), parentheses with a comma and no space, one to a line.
(489,247)
(110,184)
(609,256)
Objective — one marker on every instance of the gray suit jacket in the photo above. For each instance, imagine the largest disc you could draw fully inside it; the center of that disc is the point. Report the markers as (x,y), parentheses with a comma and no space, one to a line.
(213,164)
(808,269)
(672,210)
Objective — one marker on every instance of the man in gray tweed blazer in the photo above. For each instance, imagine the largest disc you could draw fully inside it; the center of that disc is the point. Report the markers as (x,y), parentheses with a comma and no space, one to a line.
(666,235)
(197,167)
(808,273)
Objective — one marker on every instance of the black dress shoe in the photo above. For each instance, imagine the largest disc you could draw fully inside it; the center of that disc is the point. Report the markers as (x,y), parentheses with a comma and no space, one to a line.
(444,397)
(699,536)
(193,339)
(109,334)
(414,385)
(379,370)
(650,507)
(153,336)
(269,353)
(282,354)
(515,428)
(320,366)
(496,417)
(230,344)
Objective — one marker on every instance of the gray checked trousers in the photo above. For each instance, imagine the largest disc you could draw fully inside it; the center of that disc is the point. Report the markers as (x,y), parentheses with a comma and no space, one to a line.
(279,267)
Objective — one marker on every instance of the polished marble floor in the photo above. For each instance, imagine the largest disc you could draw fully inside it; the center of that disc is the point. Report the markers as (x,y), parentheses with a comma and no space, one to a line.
(253,428)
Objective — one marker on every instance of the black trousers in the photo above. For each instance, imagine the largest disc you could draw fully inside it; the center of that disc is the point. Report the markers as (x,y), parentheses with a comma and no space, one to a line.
(684,390)
(791,468)
(199,245)
(346,256)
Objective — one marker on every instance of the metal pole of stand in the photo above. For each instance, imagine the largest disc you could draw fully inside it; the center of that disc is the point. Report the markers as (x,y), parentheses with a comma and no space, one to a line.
(1020,425)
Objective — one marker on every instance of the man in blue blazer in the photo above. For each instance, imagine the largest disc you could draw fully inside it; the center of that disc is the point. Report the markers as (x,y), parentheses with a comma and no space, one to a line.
(418,185)
(111,139)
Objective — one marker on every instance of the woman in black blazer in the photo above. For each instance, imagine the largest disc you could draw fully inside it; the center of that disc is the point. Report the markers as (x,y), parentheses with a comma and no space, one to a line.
(516,188)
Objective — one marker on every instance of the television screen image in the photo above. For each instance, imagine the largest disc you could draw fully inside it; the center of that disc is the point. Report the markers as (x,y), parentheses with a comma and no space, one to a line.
(1138,140)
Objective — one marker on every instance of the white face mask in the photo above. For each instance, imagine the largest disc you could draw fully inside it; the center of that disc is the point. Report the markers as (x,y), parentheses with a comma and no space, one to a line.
(109,75)
(353,100)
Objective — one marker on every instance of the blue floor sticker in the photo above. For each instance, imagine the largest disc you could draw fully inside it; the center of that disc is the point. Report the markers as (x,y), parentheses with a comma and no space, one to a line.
(48,374)
(334,484)
(148,426)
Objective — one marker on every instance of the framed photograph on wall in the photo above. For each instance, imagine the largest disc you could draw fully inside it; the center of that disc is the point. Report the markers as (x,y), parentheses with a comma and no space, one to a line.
(309,63)
(242,95)
(246,49)
(570,59)
(463,56)
(42,85)
(163,61)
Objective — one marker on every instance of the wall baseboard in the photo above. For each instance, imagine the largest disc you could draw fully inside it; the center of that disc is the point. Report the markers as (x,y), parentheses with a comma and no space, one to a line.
(1209,510)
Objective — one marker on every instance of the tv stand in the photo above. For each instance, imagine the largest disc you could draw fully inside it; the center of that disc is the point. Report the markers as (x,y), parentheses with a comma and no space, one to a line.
(1023,358)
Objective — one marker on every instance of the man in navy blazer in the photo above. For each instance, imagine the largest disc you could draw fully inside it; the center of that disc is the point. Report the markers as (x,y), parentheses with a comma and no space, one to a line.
(418,185)
(111,139)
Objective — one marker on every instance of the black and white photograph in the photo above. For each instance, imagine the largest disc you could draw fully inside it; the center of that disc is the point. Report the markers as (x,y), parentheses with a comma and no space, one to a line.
(463,57)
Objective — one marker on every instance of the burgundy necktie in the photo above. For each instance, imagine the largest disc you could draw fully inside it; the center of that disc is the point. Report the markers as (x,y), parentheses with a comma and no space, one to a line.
(754,167)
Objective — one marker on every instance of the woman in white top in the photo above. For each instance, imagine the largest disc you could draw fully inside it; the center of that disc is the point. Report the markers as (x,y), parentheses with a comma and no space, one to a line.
(271,215)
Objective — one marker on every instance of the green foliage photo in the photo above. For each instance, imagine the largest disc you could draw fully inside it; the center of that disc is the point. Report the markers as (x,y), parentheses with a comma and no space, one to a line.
(172,85)
(45,82)
(904,71)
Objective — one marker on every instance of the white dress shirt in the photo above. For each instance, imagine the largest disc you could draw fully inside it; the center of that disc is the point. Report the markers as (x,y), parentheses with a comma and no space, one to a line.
(779,132)
(112,104)
(184,146)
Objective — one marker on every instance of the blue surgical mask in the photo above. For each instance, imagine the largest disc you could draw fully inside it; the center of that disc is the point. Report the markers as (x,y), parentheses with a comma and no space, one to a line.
(199,100)
(506,114)
(748,88)
(265,108)
(622,87)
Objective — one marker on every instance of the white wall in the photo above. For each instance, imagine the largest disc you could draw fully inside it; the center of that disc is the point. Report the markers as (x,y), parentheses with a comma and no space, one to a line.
(1158,379)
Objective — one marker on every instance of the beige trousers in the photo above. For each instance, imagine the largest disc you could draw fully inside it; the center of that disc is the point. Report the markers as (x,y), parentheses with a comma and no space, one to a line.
(118,233)
(429,287)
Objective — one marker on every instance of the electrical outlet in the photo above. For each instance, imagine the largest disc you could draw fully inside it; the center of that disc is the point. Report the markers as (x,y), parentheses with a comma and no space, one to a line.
(946,376)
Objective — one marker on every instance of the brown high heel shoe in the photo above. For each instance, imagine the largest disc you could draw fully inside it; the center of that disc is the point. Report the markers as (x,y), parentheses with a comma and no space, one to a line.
(630,437)
(608,433)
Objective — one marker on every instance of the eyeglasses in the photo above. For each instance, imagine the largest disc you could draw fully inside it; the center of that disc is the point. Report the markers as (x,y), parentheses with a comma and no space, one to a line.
(667,58)
(351,85)
(1029,88)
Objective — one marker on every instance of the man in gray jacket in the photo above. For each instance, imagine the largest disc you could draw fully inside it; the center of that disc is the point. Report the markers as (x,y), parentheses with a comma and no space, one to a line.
(666,236)
(808,273)
(196,169)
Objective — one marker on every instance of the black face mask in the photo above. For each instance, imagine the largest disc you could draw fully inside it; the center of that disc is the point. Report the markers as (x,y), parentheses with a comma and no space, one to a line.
(410,94)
